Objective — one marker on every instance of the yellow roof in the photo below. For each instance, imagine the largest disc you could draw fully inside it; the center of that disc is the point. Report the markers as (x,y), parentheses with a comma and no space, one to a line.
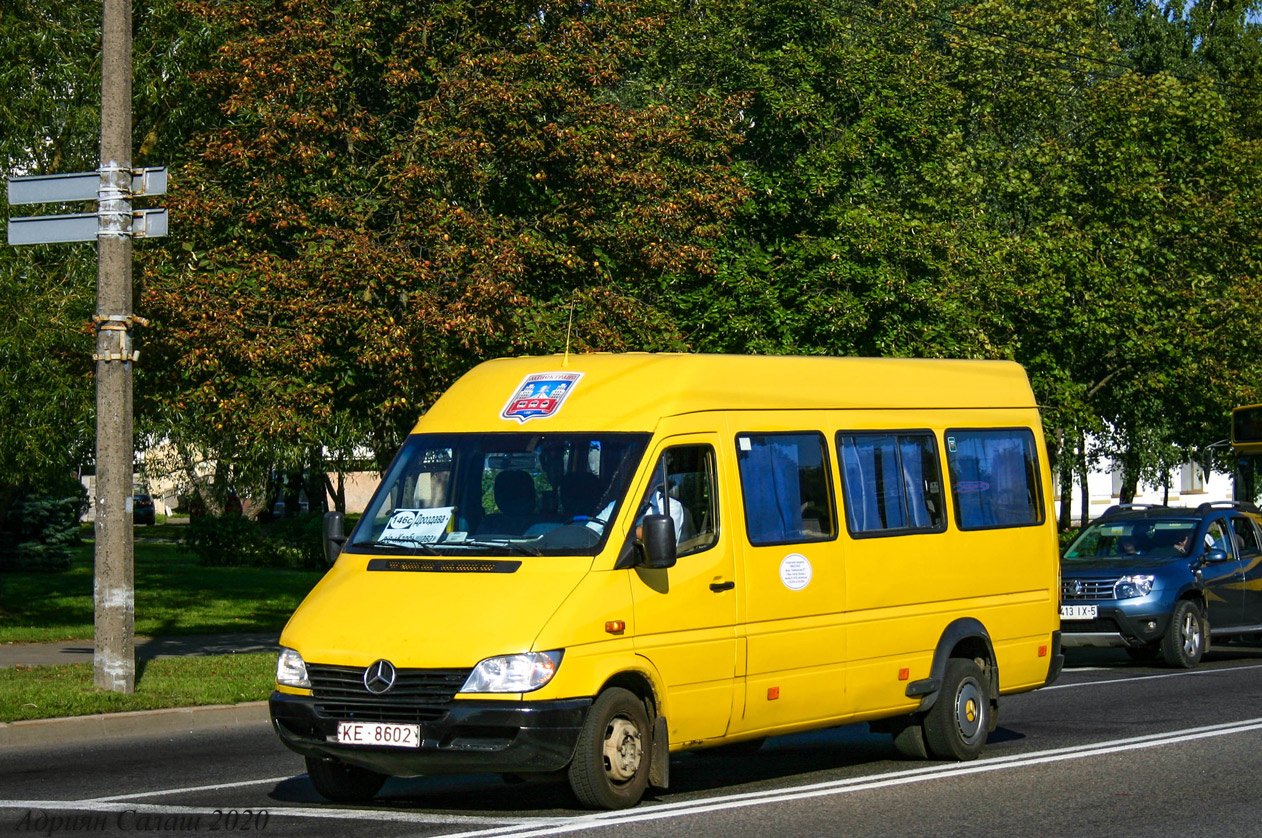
(631,392)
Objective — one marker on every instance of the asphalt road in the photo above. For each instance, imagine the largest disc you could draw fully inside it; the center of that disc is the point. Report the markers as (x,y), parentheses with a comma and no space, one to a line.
(1113,748)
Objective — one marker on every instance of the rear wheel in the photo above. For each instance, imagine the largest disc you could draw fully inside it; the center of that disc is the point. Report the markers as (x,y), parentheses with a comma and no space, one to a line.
(610,769)
(1184,642)
(343,783)
(957,724)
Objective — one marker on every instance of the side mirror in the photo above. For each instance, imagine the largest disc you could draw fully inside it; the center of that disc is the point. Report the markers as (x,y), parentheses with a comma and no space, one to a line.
(334,537)
(1215,556)
(657,540)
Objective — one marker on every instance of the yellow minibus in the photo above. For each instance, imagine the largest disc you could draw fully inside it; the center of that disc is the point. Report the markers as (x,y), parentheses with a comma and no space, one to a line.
(577,565)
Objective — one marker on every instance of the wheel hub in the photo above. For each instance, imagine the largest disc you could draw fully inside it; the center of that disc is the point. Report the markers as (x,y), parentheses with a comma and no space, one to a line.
(1191,635)
(968,711)
(623,750)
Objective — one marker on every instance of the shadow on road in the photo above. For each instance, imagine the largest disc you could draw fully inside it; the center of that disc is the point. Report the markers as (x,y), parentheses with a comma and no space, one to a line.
(776,764)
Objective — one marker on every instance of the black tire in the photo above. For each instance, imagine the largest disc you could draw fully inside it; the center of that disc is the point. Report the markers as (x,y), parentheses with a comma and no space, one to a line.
(1144,654)
(610,769)
(342,783)
(909,738)
(1185,639)
(957,724)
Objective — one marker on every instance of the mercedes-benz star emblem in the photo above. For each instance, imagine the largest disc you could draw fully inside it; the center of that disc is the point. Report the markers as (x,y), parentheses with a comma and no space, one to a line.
(379,677)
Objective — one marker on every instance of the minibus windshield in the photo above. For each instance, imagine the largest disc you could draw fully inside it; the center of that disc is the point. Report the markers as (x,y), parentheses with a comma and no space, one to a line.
(532,494)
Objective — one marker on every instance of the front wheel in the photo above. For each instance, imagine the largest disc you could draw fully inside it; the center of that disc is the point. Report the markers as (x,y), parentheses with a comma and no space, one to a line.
(1184,642)
(342,783)
(610,769)
(957,724)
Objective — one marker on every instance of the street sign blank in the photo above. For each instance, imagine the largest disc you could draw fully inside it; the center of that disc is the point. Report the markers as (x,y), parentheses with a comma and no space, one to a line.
(82,227)
(52,229)
(80,186)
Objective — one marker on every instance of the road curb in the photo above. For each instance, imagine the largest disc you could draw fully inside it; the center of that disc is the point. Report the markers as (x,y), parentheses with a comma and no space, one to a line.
(85,729)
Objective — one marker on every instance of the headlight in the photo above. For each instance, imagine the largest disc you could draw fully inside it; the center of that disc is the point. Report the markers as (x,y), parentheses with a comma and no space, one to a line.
(513,673)
(291,670)
(1129,587)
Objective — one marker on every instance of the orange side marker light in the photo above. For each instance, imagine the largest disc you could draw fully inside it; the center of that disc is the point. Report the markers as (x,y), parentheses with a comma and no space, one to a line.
(773,693)
(616,626)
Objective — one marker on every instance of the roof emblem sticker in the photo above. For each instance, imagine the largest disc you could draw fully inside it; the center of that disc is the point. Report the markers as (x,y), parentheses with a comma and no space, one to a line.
(540,395)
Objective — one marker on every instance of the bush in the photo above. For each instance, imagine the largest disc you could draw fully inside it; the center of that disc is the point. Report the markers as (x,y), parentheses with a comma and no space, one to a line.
(42,526)
(224,540)
(235,541)
(297,542)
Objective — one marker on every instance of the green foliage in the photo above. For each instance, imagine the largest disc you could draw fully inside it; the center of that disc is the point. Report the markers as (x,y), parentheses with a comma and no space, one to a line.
(42,527)
(237,541)
(225,541)
(296,542)
(394,192)
(373,196)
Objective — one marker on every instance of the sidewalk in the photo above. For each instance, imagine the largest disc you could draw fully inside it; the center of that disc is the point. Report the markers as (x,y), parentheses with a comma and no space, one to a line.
(85,729)
(147,648)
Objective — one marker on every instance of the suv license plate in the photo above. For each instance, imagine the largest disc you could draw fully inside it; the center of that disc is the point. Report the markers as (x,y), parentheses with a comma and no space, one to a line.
(1078,612)
(379,733)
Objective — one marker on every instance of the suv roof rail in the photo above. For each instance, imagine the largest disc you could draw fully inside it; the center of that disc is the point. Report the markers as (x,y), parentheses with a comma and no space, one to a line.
(1127,507)
(1242,505)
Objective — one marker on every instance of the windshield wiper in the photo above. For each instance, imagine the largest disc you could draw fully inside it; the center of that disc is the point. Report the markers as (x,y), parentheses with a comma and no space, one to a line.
(511,546)
(416,547)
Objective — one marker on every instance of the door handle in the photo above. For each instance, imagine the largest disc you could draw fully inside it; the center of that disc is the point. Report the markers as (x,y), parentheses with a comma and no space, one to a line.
(720,587)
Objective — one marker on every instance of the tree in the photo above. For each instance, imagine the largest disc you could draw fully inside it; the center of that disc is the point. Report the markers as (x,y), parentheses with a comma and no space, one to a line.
(46,125)
(396,191)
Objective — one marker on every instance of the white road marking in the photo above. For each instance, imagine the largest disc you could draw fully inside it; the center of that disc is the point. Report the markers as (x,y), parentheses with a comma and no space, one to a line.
(188,789)
(518,827)
(856,784)
(1188,673)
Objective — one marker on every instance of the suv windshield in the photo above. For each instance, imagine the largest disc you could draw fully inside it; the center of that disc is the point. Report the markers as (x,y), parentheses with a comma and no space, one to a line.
(480,494)
(1126,539)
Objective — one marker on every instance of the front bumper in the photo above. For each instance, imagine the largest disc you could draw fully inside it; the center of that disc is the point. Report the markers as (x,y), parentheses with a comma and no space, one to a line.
(471,737)
(1117,625)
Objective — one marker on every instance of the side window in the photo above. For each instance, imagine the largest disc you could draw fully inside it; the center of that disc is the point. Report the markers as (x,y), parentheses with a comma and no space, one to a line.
(994,478)
(692,499)
(892,482)
(785,484)
(1217,538)
(1245,534)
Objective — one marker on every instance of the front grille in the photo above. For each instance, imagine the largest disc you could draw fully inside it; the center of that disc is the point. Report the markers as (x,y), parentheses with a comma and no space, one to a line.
(1080,590)
(418,695)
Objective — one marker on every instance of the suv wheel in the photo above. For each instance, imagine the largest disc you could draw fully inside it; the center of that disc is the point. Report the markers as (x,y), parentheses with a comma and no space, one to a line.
(1185,640)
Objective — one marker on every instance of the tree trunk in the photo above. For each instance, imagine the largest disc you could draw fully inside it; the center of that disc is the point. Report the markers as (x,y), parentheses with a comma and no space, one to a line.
(1065,478)
(1130,478)
(1084,513)
(336,491)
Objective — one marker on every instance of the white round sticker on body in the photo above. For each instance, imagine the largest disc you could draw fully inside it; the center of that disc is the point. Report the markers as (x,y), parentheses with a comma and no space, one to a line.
(795,571)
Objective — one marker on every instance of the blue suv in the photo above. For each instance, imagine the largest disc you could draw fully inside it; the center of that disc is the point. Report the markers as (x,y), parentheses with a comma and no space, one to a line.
(1159,581)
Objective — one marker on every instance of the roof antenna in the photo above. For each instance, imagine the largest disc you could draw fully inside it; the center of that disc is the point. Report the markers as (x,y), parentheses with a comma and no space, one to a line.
(565,362)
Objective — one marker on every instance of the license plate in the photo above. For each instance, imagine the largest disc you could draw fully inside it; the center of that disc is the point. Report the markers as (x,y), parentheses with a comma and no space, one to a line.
(379,733)
(1079,612)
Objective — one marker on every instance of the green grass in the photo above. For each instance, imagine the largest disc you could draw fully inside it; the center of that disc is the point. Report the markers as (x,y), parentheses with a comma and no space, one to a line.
(47,692)
(173,595)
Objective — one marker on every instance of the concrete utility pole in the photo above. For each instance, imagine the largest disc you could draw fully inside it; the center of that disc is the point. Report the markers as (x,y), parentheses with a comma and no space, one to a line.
(114,658)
